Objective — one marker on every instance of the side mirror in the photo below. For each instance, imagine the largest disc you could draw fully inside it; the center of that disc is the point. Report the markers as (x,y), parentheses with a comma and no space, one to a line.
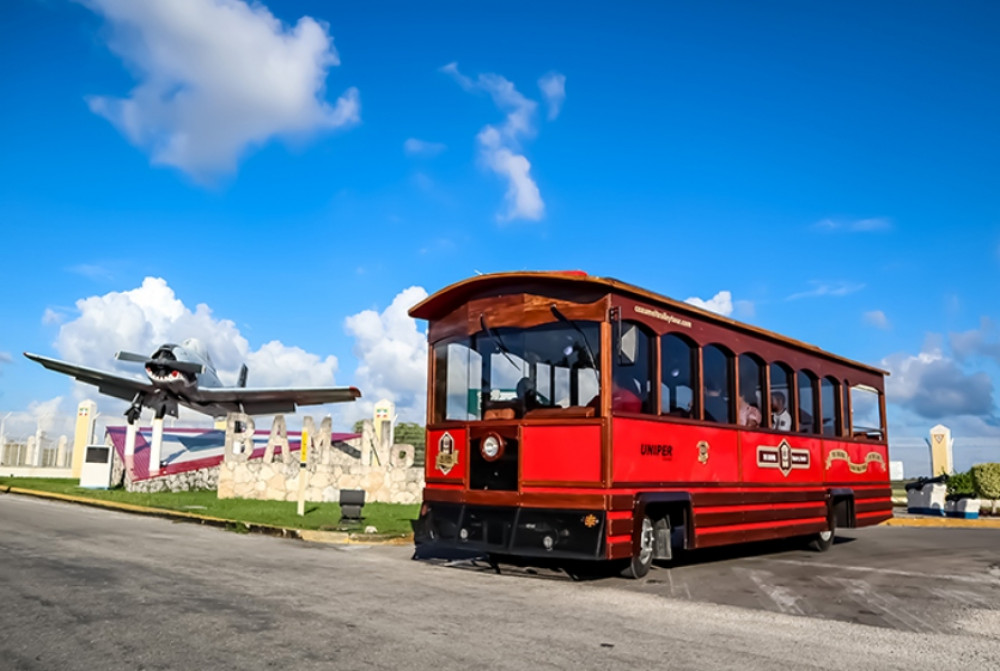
(628,345)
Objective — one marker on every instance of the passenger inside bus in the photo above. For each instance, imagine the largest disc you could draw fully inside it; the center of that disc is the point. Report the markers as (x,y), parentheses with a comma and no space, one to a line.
(749,414)
(716,406)
(751,397)
(781,419)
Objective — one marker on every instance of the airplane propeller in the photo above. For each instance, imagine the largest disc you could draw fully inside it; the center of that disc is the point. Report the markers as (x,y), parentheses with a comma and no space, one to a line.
(182,366)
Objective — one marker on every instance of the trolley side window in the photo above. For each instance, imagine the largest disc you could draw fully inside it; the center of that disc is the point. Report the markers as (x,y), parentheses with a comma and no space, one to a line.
(866,419)
(718,384)
(679,376)
(457,375)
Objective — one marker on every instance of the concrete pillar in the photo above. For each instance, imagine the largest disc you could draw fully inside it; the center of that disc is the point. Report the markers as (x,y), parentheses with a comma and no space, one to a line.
(941,444)
(36,457)
(155,445)
(61,452)
(30,449)
(86,416)
(130,448)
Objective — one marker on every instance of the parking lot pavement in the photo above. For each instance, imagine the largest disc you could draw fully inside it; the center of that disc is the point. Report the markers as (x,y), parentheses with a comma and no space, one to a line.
(85,588)
(910,579)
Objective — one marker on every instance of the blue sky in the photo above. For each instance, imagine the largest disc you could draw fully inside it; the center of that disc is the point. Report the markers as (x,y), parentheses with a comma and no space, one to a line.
(299,167)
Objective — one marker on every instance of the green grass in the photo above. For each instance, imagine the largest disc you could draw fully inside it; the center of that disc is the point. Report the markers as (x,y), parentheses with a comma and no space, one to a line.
(388,518)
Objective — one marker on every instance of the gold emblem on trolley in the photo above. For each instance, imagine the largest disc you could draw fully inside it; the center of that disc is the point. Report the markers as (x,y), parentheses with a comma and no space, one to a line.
(703,451)
(447,457)
(783,457)
(590,521)
(841,455)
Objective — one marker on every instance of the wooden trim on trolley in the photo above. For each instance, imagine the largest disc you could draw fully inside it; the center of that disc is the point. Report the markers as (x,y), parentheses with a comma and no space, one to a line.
(730,517)
(710,537)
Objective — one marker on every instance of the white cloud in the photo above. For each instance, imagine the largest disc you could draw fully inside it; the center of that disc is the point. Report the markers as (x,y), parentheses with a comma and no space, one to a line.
(5,358)
(48,416)
(721,303)
(934,387)
(416,147)
(827,289)
(392,356)
(984,342)
(553,88)
(51,317)
(870,225)
(523,198)
(141,319)
(877,319)
(500,146)
(91,271)
(217,77)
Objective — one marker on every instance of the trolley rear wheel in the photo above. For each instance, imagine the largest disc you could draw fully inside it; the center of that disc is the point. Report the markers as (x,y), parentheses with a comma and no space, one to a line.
(638,565)
(823,541)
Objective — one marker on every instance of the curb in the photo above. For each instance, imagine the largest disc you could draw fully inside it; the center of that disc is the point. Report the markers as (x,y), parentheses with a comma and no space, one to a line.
(308,535)
(955,522)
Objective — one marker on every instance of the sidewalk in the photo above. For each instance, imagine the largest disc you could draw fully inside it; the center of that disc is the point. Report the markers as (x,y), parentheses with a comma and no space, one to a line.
(901,518)
(309,535)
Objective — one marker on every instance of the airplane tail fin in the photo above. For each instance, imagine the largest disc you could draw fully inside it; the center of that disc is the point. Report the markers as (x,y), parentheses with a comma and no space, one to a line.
(243,376)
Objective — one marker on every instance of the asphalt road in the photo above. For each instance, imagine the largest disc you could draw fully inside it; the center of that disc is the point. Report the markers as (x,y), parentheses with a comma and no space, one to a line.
(82,588)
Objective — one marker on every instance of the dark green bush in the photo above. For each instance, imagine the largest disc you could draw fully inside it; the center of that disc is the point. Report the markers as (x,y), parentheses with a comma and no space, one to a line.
(986,478)
(961,484)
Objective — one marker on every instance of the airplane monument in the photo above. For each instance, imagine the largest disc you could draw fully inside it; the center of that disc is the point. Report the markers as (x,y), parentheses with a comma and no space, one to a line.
(184,375)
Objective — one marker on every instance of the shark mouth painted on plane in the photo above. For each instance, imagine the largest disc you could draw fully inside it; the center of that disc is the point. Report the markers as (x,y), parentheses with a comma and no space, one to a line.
(166,375)
(161,368)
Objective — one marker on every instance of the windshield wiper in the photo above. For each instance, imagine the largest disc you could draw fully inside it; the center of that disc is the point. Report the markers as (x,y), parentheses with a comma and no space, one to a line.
(496,337)
(586,343)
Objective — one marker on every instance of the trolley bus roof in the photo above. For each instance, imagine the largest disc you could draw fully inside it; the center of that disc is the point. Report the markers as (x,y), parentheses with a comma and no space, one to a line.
(443,302)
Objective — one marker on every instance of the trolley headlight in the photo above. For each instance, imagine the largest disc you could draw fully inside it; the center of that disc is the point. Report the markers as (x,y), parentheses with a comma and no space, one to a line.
(492,447)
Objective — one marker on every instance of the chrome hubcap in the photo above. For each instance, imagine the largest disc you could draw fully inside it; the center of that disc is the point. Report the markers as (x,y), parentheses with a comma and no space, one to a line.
(646,542)
(825,535)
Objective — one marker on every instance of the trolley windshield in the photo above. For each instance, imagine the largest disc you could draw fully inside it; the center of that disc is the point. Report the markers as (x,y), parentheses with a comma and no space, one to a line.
(506,373)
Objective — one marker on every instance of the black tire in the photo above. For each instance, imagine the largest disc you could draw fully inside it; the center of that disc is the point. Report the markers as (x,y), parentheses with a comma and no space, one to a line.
(823,541)
(638,565)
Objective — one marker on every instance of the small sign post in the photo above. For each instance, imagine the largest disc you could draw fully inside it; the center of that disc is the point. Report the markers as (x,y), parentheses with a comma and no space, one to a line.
(303,458)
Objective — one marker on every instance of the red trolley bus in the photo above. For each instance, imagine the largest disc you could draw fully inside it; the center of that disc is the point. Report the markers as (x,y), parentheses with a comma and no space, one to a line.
(573,417)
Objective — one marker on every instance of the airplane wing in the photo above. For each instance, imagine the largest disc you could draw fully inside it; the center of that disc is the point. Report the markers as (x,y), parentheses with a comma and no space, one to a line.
(107,383)
(268,400)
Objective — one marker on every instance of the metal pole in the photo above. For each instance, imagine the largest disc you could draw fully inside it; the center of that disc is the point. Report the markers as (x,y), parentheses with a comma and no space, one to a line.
(303,458)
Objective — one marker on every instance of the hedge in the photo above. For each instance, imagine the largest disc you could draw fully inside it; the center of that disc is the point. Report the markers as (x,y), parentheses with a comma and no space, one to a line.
(987,480)
(961,484)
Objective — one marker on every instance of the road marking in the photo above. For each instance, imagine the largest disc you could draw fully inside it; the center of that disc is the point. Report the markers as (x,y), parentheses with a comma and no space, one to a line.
(888,607)
(961,596)
(976,579)
(785,599)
